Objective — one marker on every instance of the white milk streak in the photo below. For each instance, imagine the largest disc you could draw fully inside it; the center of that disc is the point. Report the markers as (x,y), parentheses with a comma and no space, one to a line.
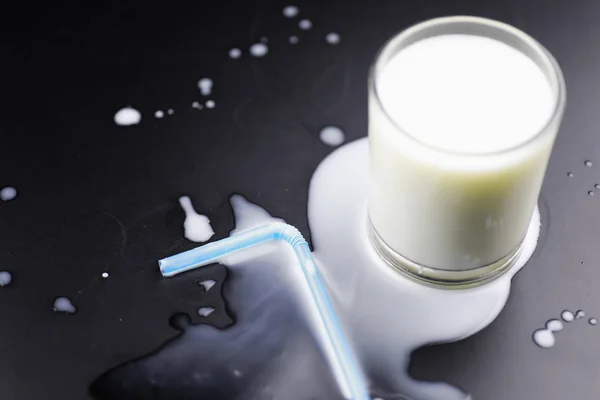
(196,227)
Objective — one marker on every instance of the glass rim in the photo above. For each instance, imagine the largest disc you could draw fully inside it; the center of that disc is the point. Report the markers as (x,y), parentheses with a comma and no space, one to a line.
(555,76)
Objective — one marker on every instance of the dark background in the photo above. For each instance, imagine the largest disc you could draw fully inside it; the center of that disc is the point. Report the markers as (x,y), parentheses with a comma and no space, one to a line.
(97,197)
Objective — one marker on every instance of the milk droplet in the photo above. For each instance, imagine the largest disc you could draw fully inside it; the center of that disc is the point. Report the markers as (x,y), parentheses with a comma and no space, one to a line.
(210,104)
(332,136)
(64,305)
(197,105)
(207,284)
(588,163)
(290,11)
(580,314)
(237,373)
(205,85)
(567,316)
(5,278)
(305,24)
(128,116)
(554,325)
(105,275)
(259,49)
(159,114)
(590,193)
(205,311)
(196,227)
(235,53)
(597,185)
(544,338)
(332,38)
(8,193)
(293,39)
(593,321)
(359,282)
(170,111)
(570,174)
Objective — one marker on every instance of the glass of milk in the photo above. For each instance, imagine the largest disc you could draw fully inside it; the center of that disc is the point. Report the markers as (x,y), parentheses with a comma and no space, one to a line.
(463,113)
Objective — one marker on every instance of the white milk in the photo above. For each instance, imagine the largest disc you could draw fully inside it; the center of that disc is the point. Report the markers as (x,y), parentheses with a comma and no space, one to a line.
(196,227)
(127,116)
(386,315)
(8,193)
(63,305)
(442,193)
(5,278)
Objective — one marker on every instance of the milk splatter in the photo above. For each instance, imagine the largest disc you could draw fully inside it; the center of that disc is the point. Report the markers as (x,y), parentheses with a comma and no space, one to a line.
(268,344)
(196,227)
(207,284)
(105,275)
(8,193)
(360,282)
(197,105)
(332,136)
(127,116)
(159,114)
(64,305)
(332,38)
(593,321)
(293,39)
(567,316)
(544,338)
(235,53)
(259,49)
(554,325)
(170,111)
(579,314)
(205,85)
(210,104)
(588,163)
(305,24)
(5,278)
(248,215)
(205,311)
(290,11)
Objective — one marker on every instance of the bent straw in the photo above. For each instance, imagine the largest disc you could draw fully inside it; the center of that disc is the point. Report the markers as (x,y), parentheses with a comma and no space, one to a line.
(338,352)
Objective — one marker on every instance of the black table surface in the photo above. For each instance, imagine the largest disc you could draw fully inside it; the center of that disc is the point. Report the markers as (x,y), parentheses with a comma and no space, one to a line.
(97,197)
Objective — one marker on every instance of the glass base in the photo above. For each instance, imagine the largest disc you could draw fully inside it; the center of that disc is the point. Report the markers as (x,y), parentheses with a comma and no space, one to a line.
(445,279)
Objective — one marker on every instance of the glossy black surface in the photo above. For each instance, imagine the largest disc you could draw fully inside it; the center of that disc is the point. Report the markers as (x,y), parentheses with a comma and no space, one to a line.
(96,197)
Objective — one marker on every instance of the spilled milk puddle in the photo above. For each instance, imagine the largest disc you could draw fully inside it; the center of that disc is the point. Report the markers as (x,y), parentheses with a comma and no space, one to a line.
(268,353)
